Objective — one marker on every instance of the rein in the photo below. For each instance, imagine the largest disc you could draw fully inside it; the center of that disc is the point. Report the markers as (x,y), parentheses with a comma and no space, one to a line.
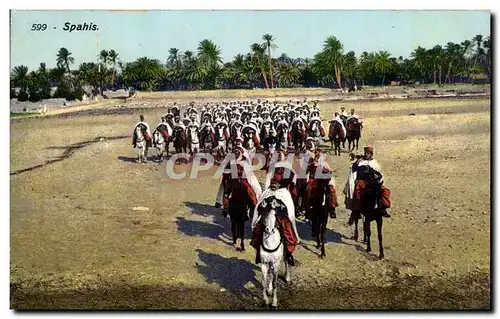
(275,249)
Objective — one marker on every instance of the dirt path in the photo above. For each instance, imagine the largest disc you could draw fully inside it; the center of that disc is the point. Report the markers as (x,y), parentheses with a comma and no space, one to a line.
(77,242)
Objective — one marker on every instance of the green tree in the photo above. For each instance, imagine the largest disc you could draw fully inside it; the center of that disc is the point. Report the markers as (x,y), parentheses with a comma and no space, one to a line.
(258,55)
(269,44)
(64,59)
(383,64)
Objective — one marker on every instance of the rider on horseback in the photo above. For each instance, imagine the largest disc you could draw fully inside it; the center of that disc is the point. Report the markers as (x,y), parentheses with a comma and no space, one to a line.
(242,190)
(280,183)
(320,193)
(145,131)
(368,167)
(164,128)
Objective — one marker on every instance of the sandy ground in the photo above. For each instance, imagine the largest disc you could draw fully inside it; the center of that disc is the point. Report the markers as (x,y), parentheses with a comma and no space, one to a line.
(77,242)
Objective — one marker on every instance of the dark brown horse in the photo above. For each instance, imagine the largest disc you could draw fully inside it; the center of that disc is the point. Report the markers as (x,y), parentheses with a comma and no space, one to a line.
(298,135)
(180,140)
(368,195)
(336,136)
(353,133)
(316,211)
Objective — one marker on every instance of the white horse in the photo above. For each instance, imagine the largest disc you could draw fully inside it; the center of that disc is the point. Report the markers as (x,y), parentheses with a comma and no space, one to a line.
(160,144)
(193,140)
(315,133)
(271,254)
(140,143)
(221,142)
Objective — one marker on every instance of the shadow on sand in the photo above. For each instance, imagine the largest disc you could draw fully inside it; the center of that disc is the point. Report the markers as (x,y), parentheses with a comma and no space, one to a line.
(223,224)
(304,229)
(232,274)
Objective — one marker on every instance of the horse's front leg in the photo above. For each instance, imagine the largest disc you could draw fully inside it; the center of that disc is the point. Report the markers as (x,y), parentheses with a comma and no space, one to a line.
(264,269)
(367,231)
(274,304)
(355,236)
(379,232)
(288,277)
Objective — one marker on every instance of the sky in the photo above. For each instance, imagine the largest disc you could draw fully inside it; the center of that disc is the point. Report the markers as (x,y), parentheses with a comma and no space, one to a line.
(133,34)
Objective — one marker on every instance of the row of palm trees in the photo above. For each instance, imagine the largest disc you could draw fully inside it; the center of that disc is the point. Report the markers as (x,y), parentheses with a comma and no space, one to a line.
(204,69)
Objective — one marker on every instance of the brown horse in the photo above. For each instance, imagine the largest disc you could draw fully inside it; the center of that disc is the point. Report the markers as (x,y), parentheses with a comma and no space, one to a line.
(316,211)
(353,133)
(180,140)
(298,135)
(368,195)
(336,135)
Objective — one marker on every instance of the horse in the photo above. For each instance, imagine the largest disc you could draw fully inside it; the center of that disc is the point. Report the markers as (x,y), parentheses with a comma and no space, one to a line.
(314,131)
(193,141)
(317,212)
(370,207)
(265,134)
(343,118)
(336,135)
(140,143)
(221,140)
(180,141)
(159,142)
(298,135)
(207,139)
(248,139)
(282,137)
(236,132)
(272,255)
(353,129)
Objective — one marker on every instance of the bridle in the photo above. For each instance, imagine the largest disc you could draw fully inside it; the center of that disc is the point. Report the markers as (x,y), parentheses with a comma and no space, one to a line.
(267,250)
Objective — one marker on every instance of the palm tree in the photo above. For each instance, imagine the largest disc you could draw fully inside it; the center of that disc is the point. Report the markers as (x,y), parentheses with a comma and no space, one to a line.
(288,74)
(452,53)
(420,61)
(19,77)
(268,44)
(104,57)
(478,42)
(113,59)
(173,59)
(64,59)
(209,61)
(487,46)
(258,55)
(383,64)
(143,73)
(333,57)
(351,67)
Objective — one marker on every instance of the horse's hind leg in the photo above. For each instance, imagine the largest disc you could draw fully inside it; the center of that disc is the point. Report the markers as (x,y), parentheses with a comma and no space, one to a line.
(355,237)
(367,231)
(242,234)
(379,232)
(324,221)
(234,230)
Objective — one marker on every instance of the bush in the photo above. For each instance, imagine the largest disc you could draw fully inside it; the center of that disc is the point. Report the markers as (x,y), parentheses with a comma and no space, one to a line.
(23,96)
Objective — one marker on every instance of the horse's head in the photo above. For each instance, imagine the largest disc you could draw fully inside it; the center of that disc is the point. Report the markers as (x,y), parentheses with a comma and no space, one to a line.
(158,138)
(269,215)
(220,132)
(193,132)
(138,132)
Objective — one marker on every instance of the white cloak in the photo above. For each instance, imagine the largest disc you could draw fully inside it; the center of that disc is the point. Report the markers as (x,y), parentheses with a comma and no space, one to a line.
(284,196)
